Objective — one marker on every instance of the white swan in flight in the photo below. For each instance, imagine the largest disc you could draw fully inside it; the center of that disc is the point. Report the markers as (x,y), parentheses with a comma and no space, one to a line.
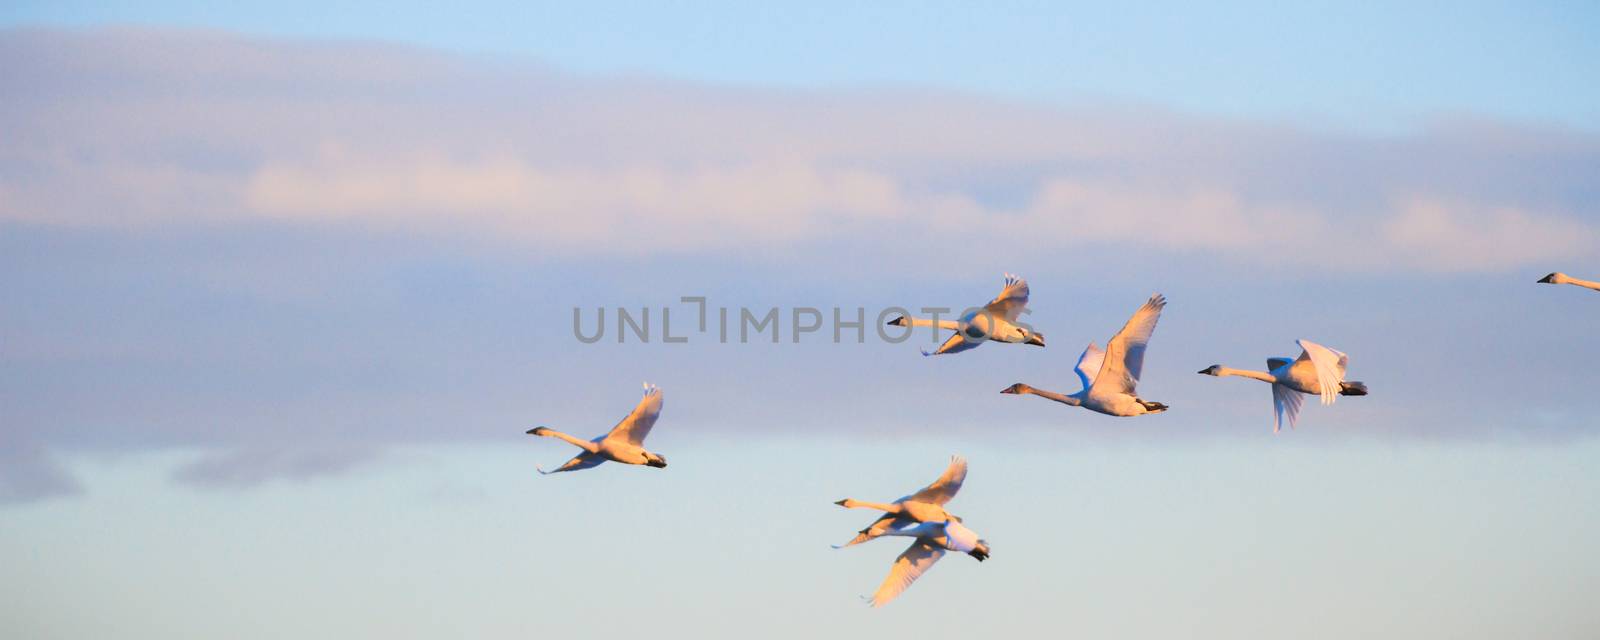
(1318,371)
(995,321)
(926,505)
(1562,278)
(624,443)
(932,539)
(1109,376)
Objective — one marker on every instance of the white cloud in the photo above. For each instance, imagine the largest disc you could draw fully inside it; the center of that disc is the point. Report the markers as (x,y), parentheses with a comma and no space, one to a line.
(639,208)
(407,141)
(1440,236)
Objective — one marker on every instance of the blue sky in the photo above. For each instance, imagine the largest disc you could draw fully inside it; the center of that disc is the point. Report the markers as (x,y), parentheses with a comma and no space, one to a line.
(287,285)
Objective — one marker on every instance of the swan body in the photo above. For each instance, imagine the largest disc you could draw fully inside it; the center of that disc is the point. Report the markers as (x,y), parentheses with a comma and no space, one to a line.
(932,540)
(1562,278)
(1319,371)
(624,443)
(926,505)
(995,321)
(1110,376)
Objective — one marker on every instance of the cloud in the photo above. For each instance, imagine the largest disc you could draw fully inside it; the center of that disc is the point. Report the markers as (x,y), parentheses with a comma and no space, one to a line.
(628,209)
(1442,236)
(28,473)
(254,466)
(361,246)
(127,129)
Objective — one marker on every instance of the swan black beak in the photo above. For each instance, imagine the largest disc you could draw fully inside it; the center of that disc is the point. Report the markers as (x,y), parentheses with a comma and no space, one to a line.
(659,464)
(1203,371)
(1549,279)
(535,431)
(898,321)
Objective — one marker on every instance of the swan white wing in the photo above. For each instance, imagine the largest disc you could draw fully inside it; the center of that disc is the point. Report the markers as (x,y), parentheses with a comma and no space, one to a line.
(1089,364)
(1285,402)
(1012,299)
(1124,357)
(945,488)
(959,538)
(1330,368)
(636,426)
(578,462)
(956,344)
(916,560)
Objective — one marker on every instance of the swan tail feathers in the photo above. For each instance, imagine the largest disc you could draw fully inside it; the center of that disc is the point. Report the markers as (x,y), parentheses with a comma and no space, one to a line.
(1153,407)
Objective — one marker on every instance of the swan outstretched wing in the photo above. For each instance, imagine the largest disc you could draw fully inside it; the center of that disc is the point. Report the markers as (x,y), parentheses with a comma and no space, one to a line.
(1124,357)
(578,462)
(1285,402)
(1329,365)
(959,538)
(636,426)
(945,488)
(1089,364)
(956,344)
(1012,299)
(916,560)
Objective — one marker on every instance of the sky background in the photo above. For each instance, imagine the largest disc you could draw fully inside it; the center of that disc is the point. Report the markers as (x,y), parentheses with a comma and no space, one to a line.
(284,285)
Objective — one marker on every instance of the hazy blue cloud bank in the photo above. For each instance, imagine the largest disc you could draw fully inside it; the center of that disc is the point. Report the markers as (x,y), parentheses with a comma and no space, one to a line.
(124,129)
(28,473)
(251,467)
(289,251)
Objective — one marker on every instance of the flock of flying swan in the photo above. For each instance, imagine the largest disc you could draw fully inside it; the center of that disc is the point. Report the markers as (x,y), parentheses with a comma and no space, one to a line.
(1109,378)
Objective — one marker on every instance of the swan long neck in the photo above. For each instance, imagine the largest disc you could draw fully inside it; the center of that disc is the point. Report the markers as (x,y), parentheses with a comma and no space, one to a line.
(1069,400)
(1587,284)
(1246,373)
(950,325)
(574,441)
(857,504)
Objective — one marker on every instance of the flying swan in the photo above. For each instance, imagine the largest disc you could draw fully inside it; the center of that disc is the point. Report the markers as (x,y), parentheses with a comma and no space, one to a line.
(995,321)
(926,505)
(922,516)
(624,443)
(1318,371)
(1562,278)
(932,539)
(1109,376)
